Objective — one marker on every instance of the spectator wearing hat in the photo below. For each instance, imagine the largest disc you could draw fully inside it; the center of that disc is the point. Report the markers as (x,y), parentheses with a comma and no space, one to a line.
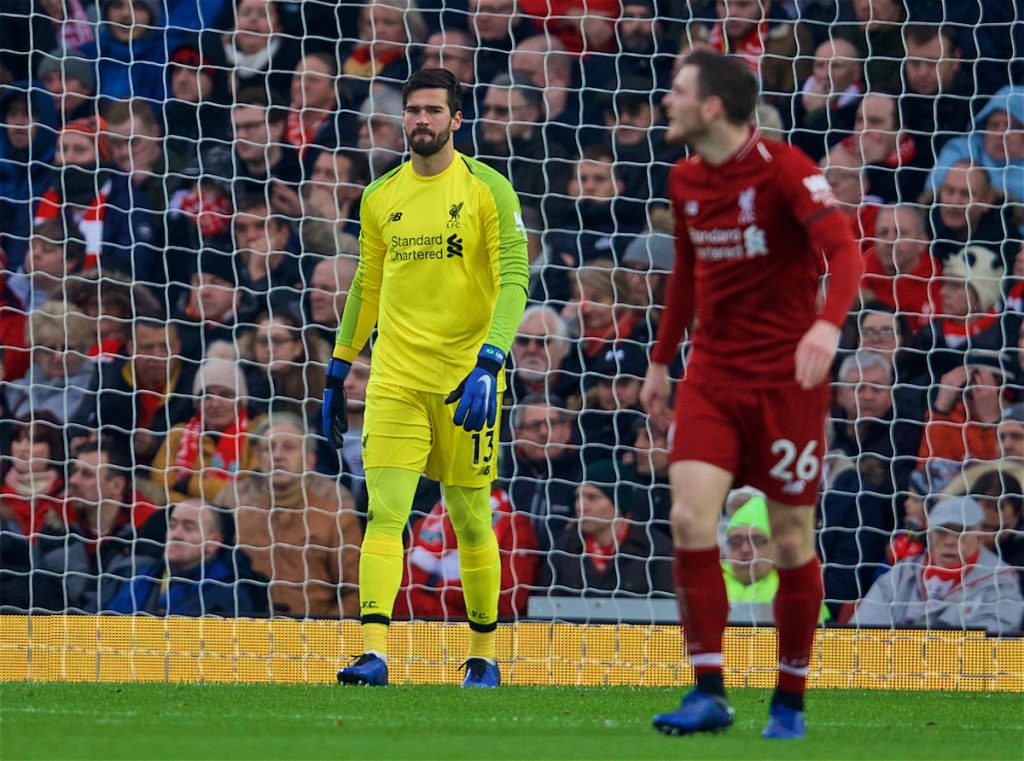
(71,82)
(955,584)
(606,553)
(749,563)
(631,117)
(611,405)
(200,457)
(80,188)
(1010,433)
(647,263)
(130,51)
(97,195)
(196,115)
(27,148)
(208,311)
(538,355)
(967,409)
(968,211)
(971,316)
(994,143)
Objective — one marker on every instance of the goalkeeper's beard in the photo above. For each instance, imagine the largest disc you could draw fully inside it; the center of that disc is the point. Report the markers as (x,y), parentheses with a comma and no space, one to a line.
(427,149)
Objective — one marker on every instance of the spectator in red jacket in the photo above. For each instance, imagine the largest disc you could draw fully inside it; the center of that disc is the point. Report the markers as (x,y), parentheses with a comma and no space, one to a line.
(898,269)
(431,587)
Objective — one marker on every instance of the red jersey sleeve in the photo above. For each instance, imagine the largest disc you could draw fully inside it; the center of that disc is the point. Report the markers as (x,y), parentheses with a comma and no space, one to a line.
(814,206)
(679,294)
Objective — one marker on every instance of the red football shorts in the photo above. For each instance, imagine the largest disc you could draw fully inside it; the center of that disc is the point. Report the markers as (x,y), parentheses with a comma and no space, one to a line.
(771,439)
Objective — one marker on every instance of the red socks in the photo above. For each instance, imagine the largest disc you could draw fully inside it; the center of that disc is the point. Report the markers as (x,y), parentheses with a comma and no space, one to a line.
(797,609)
(703,610)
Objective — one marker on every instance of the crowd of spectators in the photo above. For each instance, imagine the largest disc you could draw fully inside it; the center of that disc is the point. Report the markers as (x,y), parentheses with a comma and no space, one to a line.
(179,219)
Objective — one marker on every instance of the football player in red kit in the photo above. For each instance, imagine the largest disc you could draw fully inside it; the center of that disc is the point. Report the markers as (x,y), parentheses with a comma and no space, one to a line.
(756,230)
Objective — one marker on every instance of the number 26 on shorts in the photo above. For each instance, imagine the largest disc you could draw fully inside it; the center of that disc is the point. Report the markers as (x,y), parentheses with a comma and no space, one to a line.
(806,466)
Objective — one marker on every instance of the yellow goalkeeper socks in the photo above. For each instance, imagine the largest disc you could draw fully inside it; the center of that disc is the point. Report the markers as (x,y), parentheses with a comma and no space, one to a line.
(479,564)
(380,558)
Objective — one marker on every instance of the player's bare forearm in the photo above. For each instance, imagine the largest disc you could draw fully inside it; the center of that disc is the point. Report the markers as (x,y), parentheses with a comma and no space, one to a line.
(815,352)
(655,392)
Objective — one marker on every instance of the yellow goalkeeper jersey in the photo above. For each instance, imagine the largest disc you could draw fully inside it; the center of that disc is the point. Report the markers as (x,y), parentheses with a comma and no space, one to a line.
(434,255)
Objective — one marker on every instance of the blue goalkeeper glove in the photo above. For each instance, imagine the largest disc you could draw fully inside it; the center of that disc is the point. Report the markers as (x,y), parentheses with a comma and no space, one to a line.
(334,411)
(477,395)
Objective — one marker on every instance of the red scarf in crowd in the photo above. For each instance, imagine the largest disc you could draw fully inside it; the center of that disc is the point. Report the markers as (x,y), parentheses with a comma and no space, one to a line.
(749,49)
(225,459)
(299,134)
(600,555)
(210,211)
(361,62)
(939,582)
(958,332)
(89,220)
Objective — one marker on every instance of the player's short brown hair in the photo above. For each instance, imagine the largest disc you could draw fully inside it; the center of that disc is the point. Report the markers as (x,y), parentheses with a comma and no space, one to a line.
(431,79)
(728,79)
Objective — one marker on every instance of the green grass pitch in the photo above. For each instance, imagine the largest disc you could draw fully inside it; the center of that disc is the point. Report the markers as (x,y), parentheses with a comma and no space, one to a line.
(157,721)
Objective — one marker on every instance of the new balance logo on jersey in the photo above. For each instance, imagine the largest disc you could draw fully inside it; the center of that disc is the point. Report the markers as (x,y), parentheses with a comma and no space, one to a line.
(692,208)
(453,215)
(394,216)
(454,246)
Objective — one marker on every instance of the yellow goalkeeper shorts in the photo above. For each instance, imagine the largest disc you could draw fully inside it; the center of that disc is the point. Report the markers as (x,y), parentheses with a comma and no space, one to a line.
(413,430)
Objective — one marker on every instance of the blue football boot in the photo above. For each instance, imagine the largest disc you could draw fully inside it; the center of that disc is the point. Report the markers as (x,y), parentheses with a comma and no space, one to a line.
(699,712)
(368,670)
(480,672)
(784,724)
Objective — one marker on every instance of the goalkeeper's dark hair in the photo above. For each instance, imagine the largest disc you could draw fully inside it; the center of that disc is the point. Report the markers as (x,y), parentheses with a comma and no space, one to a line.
(435,79)
(728,79)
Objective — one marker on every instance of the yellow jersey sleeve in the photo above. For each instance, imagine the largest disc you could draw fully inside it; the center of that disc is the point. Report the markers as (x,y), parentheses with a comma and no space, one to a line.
(435,253)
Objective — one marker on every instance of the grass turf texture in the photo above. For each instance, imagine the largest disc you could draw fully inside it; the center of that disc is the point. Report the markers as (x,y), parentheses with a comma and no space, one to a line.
(158,721)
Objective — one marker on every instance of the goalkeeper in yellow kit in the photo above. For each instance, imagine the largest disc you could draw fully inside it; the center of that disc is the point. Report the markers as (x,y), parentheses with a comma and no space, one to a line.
(443,277)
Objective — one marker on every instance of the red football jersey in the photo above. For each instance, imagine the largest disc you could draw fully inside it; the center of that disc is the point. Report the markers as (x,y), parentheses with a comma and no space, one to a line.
(746,266)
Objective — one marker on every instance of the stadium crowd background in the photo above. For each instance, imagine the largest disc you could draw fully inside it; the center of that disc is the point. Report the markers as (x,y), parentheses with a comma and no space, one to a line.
(179,195)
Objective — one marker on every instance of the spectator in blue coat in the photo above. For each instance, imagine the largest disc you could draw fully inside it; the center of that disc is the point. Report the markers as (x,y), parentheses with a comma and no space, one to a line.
(130,52)
(197,576)
(996,143)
